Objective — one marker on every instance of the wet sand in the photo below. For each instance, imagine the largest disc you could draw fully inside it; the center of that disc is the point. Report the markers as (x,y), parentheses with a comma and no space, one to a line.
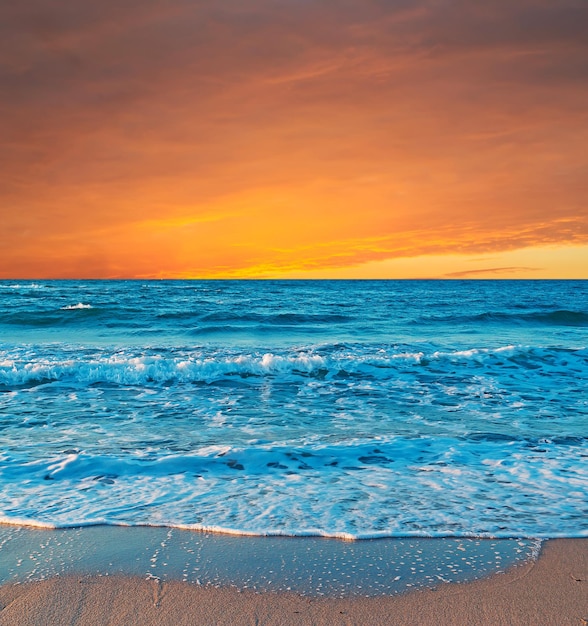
(312,566)
(550,591)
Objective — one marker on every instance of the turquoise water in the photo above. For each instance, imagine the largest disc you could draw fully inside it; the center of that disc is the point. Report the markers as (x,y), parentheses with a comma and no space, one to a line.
(341,408)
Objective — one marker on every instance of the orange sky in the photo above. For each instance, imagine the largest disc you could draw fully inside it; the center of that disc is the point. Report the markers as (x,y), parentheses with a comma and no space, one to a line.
(294,138)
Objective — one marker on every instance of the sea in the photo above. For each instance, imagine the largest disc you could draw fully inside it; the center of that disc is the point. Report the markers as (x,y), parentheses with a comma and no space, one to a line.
(348,409)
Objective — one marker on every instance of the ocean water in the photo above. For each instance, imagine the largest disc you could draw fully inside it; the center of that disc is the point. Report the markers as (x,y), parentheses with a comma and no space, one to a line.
(353,409)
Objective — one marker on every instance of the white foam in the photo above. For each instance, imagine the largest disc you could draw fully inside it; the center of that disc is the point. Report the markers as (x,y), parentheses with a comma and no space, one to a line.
(79,305)
(450,492)
(340,441)
(21,286)
(17,367)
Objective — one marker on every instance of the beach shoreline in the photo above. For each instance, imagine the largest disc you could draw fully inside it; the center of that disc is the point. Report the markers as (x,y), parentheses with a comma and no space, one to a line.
(550,590)
(313,566)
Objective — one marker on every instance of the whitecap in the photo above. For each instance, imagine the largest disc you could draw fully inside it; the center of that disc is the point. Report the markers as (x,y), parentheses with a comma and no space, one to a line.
(79,305)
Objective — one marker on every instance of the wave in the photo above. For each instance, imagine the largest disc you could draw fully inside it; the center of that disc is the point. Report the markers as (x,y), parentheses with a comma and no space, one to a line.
(561,317)
(265,460)
(399,486)
(214,529)
(79,305)
(148,369)
(534,543)
(226,331)
(285,319)
(165,367)
(22,286)
(66,316)
(196,323)
(31,319)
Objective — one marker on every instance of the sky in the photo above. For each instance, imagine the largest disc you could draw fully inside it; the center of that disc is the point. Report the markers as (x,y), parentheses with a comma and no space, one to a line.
(294,139)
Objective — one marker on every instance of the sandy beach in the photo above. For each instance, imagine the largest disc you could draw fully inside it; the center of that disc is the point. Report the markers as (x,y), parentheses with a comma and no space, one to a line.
(550,591)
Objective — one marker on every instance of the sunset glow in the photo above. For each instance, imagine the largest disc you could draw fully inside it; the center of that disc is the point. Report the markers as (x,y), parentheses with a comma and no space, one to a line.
(294,139)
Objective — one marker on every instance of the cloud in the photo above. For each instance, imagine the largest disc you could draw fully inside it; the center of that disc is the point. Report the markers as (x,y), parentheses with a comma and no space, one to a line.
(397,127)
(492,271)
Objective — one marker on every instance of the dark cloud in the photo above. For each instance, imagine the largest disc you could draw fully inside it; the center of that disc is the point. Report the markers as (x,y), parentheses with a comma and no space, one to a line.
(520,25)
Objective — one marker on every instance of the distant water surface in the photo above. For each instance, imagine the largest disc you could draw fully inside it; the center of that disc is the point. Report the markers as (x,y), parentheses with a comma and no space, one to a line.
(340,408)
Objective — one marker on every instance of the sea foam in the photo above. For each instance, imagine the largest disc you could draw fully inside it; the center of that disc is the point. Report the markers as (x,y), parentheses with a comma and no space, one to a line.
(74,307)
(340,409)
